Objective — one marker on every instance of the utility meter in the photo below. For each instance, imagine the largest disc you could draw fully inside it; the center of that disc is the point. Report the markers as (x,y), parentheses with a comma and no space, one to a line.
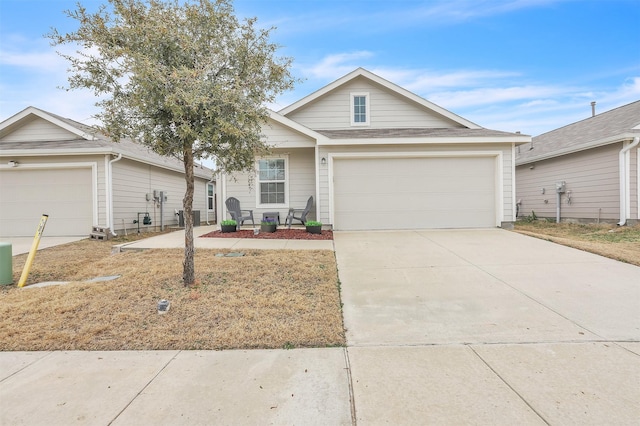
(561,187)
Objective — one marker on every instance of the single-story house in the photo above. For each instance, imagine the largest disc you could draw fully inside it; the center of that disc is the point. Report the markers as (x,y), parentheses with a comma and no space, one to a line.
(594,163)
(82,179)
(376,156)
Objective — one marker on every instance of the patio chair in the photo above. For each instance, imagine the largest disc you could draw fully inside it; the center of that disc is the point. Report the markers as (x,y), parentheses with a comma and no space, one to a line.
(302,213)
(233,205)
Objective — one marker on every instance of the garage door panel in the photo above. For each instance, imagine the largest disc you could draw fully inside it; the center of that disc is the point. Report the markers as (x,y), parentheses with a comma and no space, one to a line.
(410,193)
(66,195)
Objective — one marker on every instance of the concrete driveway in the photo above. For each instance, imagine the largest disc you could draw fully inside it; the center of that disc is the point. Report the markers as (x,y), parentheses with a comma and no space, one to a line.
(443,327)
(21,245)
(486,327)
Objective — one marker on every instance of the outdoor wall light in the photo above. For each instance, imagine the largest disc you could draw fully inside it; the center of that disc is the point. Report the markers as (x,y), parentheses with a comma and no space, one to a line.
(323,161)
(13,163)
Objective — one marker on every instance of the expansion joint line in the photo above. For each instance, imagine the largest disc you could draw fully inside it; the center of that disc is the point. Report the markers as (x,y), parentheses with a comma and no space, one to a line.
(509,386)
(352,401)
(144,387)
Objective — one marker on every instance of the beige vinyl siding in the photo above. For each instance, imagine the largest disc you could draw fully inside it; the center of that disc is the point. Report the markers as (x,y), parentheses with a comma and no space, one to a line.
(279,136)
(38,129)
(301,168)
(592,177)
(436,149)
(133,180)
(302,182)
(333,111)
(634,186)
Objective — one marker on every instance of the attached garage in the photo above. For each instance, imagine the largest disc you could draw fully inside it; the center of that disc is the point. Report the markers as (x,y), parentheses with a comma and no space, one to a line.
(65,194)
(376,156)
(415,192)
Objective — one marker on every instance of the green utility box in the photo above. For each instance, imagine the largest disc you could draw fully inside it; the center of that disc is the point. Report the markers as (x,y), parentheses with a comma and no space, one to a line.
(6,264)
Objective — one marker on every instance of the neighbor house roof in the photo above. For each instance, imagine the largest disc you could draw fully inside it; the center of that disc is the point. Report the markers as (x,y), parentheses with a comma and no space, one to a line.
(616,125)
(88,140)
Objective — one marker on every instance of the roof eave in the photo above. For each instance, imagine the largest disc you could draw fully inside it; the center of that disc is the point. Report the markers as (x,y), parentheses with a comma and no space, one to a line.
(570,150)
(427,140)
(8,153)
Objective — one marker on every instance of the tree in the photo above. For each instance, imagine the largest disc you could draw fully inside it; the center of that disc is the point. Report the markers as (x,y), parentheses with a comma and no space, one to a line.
(185,78)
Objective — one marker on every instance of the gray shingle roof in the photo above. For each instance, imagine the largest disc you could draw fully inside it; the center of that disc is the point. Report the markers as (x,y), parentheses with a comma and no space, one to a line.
(612,126)
(102,144)
(413,133)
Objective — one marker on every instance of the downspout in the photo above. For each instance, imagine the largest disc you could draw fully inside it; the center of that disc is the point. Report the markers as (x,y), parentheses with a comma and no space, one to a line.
(624,180)
(110,220)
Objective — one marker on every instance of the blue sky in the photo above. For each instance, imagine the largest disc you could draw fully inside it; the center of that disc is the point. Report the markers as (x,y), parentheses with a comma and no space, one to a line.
(512,65)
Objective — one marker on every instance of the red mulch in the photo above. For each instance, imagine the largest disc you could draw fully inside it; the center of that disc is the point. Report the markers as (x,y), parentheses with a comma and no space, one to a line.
(280,234)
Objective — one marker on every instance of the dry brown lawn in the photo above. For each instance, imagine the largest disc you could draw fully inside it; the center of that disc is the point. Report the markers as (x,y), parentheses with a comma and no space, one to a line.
(616,242)
(265,299)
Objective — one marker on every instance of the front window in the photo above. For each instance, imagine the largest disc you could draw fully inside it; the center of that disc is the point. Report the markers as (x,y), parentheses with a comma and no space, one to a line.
(272,181)
(359,109)
(210,197)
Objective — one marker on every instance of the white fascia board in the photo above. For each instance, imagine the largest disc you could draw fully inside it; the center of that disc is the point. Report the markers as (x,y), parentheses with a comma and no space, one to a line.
(570,150)
(198,171)
(54,152)
(201,173)
(415,141)
(45,116)
(382,82)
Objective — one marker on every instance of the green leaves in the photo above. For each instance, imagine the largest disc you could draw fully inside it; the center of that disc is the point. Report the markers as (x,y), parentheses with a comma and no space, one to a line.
(185,78)
(176,72)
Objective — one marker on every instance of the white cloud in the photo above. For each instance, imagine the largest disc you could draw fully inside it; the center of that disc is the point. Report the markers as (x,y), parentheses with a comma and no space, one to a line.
(492,96)
(335,66)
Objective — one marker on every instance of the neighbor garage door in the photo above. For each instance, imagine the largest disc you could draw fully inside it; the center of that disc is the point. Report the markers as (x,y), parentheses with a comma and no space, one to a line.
(414,192)
(64,194)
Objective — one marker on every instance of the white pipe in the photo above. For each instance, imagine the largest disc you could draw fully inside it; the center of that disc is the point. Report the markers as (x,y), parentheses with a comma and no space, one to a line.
(110,194)
(558,202)
(624,181)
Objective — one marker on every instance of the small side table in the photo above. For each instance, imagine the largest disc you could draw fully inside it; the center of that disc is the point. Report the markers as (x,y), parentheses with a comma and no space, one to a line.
(271,215)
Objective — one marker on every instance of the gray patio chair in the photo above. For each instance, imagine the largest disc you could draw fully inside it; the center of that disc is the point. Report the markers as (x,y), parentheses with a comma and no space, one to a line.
(233,205)
(302,213)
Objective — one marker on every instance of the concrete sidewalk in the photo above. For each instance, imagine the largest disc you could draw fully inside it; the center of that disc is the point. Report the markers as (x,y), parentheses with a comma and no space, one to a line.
(176,240)
(443,327)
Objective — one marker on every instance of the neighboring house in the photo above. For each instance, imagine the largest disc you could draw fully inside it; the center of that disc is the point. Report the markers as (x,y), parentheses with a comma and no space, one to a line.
(376,156)
(81,179)
(598,161)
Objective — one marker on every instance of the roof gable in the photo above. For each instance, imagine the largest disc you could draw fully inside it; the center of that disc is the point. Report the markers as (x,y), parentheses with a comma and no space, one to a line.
(38,125)
(613,126)
(361,79)
(26,133)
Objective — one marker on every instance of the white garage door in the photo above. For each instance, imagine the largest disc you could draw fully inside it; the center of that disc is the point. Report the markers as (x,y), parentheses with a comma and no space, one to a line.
(64,194)
(414,193)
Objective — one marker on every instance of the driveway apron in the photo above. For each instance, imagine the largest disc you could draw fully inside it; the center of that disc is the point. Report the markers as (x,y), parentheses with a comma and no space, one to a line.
(488,326)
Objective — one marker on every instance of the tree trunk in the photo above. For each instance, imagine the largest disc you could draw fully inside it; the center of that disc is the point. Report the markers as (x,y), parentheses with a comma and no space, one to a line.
(188,273)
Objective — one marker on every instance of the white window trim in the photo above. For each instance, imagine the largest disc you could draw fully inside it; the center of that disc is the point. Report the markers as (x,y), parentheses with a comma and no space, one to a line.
(211,197)
(367,108)
(284,205)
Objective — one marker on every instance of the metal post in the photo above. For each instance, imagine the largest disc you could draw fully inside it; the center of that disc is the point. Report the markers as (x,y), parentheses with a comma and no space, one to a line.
(34,249)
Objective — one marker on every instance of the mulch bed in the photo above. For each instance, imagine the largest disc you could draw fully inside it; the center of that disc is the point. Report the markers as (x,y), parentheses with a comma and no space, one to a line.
(280,234)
